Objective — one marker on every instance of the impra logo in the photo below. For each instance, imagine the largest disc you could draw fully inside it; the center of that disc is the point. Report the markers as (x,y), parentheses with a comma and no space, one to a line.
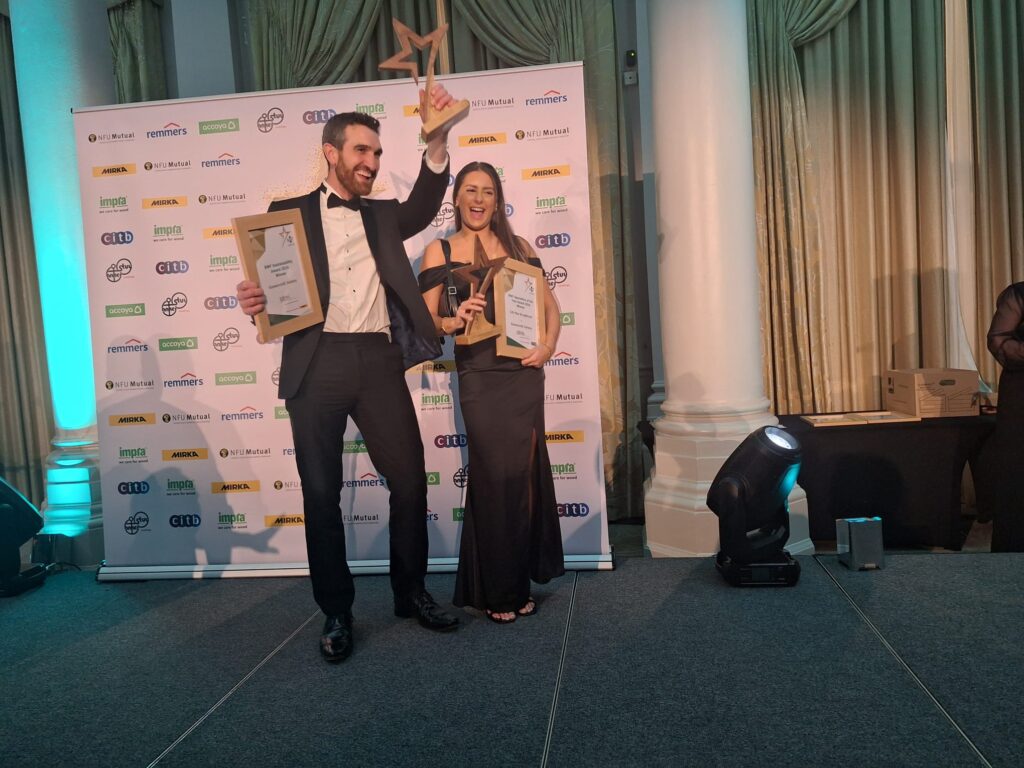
(102,171)
(235,486)
(551,172)
(131,419)
(186,454)
(164,202)
(279,521)
(572,436)
(482,139)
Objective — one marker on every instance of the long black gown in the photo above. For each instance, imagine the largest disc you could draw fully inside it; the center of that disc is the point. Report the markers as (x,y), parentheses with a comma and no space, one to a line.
(510,533)
(1005,449)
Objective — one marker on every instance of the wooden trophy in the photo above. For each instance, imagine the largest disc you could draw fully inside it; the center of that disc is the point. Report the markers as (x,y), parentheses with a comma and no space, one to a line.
(433,121)
(480,274)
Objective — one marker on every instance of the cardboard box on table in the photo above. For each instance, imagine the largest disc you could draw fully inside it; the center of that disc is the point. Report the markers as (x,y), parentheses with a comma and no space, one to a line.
(932,392)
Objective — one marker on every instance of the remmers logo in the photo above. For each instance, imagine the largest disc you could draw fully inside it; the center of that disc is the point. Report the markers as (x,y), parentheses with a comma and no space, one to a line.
(549,98)
(187,380)
(129,345)
(366,480)
(169,130)
(119,269)
(562,359)
(247,413)
(226,125)
(314,116)
(224,159)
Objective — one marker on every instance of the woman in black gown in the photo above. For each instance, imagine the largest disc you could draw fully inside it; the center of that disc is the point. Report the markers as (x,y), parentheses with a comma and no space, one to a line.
(511,533)
(1005,450)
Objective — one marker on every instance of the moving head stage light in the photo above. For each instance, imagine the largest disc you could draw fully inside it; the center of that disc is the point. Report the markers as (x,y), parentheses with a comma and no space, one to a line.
(750,497)
(19,522)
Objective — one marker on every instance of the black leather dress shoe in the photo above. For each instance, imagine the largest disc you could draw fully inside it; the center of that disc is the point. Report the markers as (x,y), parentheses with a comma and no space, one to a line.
(336,641)
(427,612)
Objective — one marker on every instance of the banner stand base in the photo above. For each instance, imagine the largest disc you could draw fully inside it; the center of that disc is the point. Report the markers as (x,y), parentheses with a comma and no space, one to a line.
(597,562)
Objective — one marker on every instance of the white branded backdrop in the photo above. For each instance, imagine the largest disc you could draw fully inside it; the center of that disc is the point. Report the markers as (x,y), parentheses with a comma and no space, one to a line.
(198,472)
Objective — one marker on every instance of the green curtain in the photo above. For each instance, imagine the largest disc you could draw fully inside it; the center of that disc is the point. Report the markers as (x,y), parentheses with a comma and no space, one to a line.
(26,413)
(876,106)
(138,49)
(788,233)
(304,43)
(527,32)
(997,48)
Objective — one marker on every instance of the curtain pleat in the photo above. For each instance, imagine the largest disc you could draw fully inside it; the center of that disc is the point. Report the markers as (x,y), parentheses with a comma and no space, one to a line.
(26,410)
(997,48)
(137,45)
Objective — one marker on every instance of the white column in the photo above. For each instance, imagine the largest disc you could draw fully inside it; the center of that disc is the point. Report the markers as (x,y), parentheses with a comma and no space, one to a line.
(710,319)
(63,60)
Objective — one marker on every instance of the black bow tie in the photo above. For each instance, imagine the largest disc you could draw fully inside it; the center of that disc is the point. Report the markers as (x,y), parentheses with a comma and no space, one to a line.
(333,201)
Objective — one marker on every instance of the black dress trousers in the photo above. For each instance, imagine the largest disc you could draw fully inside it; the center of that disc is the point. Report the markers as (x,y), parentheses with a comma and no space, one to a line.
(359,375)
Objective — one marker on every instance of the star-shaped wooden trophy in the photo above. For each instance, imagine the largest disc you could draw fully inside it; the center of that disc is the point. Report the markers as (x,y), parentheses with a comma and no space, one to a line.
(434,121)
(479,274)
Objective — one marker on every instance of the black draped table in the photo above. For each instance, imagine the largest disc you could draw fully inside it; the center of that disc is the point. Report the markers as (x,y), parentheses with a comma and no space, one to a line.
(907,473)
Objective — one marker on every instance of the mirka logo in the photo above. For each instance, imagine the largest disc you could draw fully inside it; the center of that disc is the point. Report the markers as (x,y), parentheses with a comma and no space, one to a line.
(411,110)
(280,521)
(164,202)
(572,436)
(131,419)
(168,131)
(436,366)
(550,172)
(214,233)
(224,160)
(103,171)
(235,486)
(186,454)
(482,139)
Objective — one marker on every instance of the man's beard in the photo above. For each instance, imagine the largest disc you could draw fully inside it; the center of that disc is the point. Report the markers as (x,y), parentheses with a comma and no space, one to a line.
(351,183)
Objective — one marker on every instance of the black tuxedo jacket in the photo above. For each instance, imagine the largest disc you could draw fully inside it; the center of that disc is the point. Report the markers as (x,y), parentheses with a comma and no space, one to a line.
(387,224)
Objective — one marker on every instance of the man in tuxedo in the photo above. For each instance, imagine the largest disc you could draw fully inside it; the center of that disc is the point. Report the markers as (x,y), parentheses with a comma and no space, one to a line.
(353,364)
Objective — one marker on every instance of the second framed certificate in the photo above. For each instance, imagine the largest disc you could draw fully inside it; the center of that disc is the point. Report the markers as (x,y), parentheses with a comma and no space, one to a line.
(274,254)
(519,308)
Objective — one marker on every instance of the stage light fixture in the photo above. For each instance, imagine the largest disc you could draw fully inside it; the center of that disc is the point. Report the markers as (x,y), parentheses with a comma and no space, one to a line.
(750,496)
(19,522)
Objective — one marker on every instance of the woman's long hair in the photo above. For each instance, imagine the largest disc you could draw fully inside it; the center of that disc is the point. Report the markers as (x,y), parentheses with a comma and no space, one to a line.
(499,221)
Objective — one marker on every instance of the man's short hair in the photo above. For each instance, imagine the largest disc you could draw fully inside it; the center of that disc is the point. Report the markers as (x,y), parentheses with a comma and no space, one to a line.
(334,129)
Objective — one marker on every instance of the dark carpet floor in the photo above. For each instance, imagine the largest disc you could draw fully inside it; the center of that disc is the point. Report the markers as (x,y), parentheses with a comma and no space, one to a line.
(657,663)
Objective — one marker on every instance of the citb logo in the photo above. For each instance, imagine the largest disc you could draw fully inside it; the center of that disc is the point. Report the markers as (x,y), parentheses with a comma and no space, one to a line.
(185,521)
(317,116)
(573,509)
(171,267)
(124,237)
(451,441)
(554,240)
(135,487)
(220,302)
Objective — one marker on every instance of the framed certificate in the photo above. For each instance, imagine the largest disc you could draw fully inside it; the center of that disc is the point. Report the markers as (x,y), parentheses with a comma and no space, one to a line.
(518,308)
(275,255)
